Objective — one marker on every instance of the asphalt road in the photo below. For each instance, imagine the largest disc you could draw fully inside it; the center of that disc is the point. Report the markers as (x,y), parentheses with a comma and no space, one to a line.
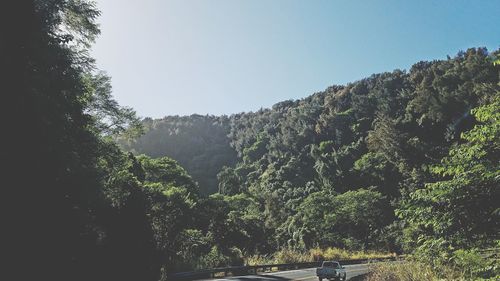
(307,274)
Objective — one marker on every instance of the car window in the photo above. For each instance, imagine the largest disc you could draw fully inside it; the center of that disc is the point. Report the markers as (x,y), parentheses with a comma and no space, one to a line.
(331,264)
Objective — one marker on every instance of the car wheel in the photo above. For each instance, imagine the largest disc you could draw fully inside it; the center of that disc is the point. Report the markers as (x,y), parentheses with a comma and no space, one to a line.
(320,279)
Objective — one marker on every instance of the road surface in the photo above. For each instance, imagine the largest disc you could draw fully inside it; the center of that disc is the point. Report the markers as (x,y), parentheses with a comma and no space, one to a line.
(306,274)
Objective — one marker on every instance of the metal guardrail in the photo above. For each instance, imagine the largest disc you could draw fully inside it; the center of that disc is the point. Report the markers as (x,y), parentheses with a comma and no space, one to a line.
(490,253)
(256,269)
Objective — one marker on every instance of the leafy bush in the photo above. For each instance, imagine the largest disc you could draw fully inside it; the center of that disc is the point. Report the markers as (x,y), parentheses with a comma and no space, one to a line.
(474,264)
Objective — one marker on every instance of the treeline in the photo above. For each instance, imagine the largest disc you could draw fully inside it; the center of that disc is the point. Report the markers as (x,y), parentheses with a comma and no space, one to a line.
(199,143)
(401,161)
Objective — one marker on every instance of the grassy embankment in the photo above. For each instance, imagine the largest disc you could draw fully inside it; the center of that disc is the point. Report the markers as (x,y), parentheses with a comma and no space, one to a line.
(315,254)
(465,265)
(410,271)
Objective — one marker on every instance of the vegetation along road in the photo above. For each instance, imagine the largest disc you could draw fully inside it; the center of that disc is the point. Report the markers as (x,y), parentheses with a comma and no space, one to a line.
(306,274)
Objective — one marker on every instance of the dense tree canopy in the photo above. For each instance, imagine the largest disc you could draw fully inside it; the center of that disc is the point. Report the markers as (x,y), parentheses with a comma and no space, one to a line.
(374,147)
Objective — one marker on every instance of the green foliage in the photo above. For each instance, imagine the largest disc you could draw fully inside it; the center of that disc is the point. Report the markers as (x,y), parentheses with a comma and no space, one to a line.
(168,173)
(229,181)
(375,169)
(471,263)
(461,210)
(256,150)
(496,59)
(339,220)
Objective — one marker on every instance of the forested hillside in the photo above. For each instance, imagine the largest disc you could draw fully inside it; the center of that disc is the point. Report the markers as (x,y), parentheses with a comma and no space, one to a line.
(405,162)
(358,166)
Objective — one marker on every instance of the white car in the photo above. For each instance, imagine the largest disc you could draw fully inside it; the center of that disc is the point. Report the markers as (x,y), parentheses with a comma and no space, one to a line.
(331,270)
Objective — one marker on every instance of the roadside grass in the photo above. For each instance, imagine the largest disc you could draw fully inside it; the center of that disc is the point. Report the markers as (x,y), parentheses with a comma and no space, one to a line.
(410,271)
(315,254)
(463,264)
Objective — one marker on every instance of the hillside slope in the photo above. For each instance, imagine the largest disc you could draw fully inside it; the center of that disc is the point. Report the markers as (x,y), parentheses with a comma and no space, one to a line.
(372,165)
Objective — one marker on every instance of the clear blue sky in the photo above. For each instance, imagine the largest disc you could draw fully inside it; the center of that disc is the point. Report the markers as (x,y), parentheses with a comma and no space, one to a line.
(227,56)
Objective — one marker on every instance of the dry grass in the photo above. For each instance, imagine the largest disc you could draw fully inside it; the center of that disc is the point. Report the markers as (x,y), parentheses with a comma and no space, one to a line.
(410,271)
(315,254)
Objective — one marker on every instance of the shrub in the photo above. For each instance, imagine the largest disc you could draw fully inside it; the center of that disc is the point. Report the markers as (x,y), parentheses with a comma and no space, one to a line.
(473,264)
